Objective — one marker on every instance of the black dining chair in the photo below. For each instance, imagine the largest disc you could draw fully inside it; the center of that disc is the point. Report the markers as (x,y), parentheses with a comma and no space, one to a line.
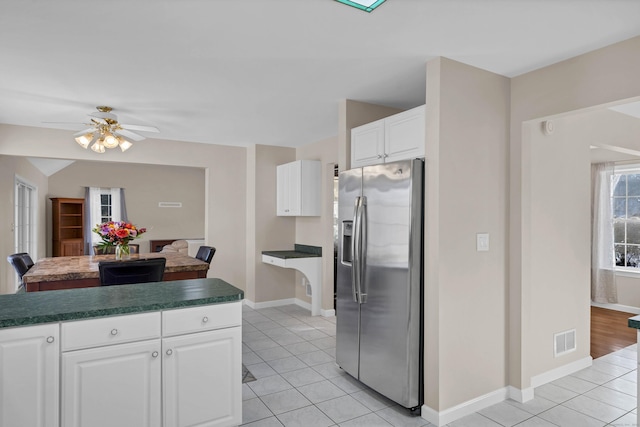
(21,262)
(130,272)
(205,253)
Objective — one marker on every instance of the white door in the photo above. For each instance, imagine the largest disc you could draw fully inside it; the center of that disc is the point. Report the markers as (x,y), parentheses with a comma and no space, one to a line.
(29,373)
(202,379)
(111,386)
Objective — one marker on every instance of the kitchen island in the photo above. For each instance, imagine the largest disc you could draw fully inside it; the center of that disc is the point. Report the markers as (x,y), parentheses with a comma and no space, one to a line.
(166,353)
(72,272)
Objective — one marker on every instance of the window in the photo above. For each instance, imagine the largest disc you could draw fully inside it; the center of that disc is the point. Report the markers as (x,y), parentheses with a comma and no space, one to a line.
(106,211)
(25,233)
(105,205)
(626,217)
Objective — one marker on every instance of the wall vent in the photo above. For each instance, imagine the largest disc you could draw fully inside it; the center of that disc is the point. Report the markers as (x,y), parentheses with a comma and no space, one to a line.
(564,342)
(169,204)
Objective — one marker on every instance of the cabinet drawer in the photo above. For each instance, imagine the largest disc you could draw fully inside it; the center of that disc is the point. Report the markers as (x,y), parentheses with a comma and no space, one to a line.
(201,318)
(110,330)
(268,259)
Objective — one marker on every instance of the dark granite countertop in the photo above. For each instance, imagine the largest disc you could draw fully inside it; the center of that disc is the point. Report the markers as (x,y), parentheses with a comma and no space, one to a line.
(634,322)
(300,251)
(73,304)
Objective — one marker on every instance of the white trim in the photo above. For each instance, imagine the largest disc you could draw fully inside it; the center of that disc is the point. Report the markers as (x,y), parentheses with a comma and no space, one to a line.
(561,371)
(469,407)
(288,301)
(617,307)
(520,395)
(632,272)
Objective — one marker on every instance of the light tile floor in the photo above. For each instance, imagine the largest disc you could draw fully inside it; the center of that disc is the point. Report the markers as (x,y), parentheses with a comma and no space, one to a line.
(292,355)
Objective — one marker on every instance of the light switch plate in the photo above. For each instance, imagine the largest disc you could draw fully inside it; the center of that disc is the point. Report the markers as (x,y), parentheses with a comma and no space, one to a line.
(482,242)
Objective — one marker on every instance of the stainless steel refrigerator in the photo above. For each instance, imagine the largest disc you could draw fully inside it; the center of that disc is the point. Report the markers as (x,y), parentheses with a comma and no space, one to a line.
(379,278)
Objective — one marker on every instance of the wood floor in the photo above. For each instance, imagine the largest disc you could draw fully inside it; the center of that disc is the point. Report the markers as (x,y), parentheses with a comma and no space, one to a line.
(609,331)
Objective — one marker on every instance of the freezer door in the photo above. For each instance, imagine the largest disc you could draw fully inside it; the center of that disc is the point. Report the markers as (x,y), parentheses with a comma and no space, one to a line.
(390,320)
(347,309)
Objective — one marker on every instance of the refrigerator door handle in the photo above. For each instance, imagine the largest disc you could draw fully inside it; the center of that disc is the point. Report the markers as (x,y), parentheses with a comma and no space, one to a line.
(362,292)
(355,251)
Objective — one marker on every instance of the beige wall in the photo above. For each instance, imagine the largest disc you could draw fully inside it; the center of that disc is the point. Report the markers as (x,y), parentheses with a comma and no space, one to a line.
(266,230)
(10,167)
(318,230)
(224,188)
(599,77)
(145,186)
(466,194)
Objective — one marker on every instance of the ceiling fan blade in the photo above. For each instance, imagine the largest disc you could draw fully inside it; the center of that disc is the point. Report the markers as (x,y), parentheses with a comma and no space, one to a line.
(104,115)
(130,135)
(140,128)
(82,132)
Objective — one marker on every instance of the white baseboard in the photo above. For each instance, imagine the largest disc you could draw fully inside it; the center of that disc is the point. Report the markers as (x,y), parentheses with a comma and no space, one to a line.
(287,301)
(561,371)
(617,307)
(447,416)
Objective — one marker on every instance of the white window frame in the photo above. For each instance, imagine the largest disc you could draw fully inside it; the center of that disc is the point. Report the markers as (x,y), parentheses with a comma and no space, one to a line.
(96,207)
(30,243)
(624,170)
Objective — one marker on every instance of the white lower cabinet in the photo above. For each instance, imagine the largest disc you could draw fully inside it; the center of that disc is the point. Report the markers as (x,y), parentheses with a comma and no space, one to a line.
(117,385)
(202,379)
(29,376)
(177,368)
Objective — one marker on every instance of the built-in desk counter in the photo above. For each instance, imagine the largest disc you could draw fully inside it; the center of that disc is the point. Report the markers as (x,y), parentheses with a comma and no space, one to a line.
(308,261)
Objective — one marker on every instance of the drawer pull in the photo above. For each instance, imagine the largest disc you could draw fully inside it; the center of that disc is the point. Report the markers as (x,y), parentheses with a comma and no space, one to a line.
(205,319)
(154,354)
(114,332)
(50,340)
(169,352)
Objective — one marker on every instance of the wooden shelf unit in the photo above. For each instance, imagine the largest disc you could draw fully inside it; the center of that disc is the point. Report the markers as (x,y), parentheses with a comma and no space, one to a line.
(68,226)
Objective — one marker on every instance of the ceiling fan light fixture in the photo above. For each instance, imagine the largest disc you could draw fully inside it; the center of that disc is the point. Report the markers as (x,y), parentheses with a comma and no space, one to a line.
(124,144)
(110,141)
(98,147)
(366,5)
(84,140)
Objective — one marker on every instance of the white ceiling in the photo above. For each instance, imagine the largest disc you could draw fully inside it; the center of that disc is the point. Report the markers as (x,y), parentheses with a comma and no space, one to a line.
(241,72)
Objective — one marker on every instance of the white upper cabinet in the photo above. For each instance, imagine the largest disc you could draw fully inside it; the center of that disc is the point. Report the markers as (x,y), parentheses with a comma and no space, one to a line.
(396,137)
(298,188)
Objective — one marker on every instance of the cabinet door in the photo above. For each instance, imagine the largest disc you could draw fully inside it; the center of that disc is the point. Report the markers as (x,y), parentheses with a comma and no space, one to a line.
(110,386)
(404,135)
(288,189)
(29,373)
(202,379)
(367,144)
(72,247)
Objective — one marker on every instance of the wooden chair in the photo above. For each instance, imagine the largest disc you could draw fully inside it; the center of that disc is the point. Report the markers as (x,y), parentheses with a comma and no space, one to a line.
(130,272)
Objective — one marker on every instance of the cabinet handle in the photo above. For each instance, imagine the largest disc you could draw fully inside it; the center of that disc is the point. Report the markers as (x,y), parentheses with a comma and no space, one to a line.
(385,155)
(50,339)
(205,319)
(379,156)
(114,332)
(154,354)
(169,352)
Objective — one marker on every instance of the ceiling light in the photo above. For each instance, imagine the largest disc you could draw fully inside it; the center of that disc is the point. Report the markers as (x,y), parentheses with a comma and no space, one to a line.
(366,5)
(124,144)
(98,147)
(110,141)
(84,140)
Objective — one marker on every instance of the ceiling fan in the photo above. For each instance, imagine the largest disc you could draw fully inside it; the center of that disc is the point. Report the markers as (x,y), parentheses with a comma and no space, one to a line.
(106,132)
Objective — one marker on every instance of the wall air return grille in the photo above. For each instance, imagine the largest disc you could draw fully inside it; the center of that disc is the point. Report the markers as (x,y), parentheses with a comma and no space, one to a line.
(169,204)
(564,342)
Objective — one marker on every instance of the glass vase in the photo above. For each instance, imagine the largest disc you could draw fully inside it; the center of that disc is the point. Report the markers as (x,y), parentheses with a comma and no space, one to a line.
(122,252)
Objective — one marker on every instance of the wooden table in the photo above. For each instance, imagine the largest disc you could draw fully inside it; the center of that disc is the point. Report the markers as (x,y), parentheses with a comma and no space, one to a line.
(71,272)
